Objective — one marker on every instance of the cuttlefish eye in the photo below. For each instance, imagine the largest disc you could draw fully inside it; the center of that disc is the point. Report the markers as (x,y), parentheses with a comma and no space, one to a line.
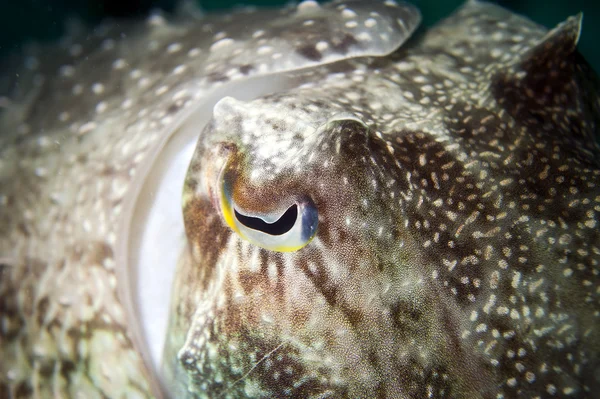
(284,230)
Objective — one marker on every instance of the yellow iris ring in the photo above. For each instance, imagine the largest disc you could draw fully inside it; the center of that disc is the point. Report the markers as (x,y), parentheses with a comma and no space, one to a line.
(227,210)
(284,248)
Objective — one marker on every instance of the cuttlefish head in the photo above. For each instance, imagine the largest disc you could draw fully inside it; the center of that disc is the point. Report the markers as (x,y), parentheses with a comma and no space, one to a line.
(301,278)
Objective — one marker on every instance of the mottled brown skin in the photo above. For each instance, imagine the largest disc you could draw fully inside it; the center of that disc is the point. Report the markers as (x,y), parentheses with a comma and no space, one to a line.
(457,249)
(80,123)
(456,182)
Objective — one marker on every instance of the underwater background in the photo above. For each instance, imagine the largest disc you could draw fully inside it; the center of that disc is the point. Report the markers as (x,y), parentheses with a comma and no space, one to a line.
(44,20)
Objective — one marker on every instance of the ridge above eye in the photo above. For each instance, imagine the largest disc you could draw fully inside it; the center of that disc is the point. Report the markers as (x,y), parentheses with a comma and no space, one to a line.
(277,228)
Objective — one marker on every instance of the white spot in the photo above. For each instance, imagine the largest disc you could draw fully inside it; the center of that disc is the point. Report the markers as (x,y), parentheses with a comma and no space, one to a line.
(119,63)
(502,310)
(516,279)
(220,35)
(156,20)
(267,318)
(161,90)
(173,48)
(496,53)
(98,88)
(87,225)
(364,37)
(308,5)
(221,44)
(352,95)
(127,103)
(143,82)
(180,94)
(348,13)
(371,22)
(322,46)
(135,74)
(193,52)
(12,374)
(87,127)
(262,50)
(530,377)
(41,171)
(498,36)
(101,107)
(179,69)
(514,314)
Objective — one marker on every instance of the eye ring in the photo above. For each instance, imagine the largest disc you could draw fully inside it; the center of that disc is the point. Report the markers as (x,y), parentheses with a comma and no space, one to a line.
(288,231)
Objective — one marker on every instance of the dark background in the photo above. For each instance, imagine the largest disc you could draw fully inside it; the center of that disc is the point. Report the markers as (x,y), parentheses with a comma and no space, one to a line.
(43,20)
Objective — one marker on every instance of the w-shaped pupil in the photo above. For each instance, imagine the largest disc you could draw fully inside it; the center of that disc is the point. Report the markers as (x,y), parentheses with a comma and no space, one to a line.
(277,228)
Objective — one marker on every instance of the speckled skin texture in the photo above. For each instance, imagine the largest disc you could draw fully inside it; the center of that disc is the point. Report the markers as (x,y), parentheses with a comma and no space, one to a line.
(456,185)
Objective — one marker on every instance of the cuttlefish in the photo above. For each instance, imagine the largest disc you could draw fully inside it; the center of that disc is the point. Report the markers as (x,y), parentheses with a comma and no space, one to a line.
(309,202)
